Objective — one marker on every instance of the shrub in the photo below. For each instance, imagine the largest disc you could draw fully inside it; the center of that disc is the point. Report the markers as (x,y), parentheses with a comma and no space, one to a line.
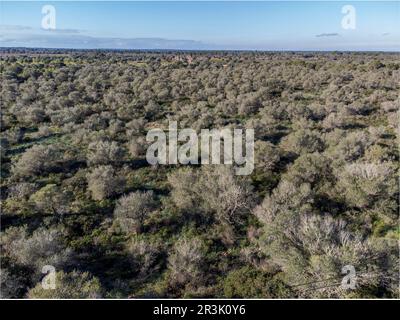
(137,147)
(132,210)
(312,249)
(352,147)
(213,191)
(311,168)
(248,282)
(104,152)
(42,247)
(51,199)
(145,257)
(286,201)
(390,106)
(267,155)
(72,285)
(103,182)
(22,190)
(12,286)
(185,262)
(135,127)
(303,141)
(334,120)
(31,115)
(366,184)
(37,160)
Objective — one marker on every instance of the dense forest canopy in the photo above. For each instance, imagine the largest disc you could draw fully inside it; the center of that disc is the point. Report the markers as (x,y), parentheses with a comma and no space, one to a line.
(78,194)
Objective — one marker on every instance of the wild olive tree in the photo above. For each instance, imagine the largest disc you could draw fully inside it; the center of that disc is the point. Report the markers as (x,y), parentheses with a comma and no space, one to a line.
(104,153)
(37,160)
(133,209)
(42,247)
(367,185)
(186,261)
(214,191)
(104,182)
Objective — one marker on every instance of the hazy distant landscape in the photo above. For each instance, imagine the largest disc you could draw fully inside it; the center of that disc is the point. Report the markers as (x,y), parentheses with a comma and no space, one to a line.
(77,193)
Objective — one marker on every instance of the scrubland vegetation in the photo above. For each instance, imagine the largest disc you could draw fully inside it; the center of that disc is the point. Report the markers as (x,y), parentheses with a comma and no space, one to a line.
(78,194)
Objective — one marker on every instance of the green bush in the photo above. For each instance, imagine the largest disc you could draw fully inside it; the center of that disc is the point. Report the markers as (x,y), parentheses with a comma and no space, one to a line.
(248,282)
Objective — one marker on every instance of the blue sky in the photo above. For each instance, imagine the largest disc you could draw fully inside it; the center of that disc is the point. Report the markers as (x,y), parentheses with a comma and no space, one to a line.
(261,25)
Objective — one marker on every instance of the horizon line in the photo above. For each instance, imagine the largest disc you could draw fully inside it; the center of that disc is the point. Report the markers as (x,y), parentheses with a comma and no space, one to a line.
(199,50)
